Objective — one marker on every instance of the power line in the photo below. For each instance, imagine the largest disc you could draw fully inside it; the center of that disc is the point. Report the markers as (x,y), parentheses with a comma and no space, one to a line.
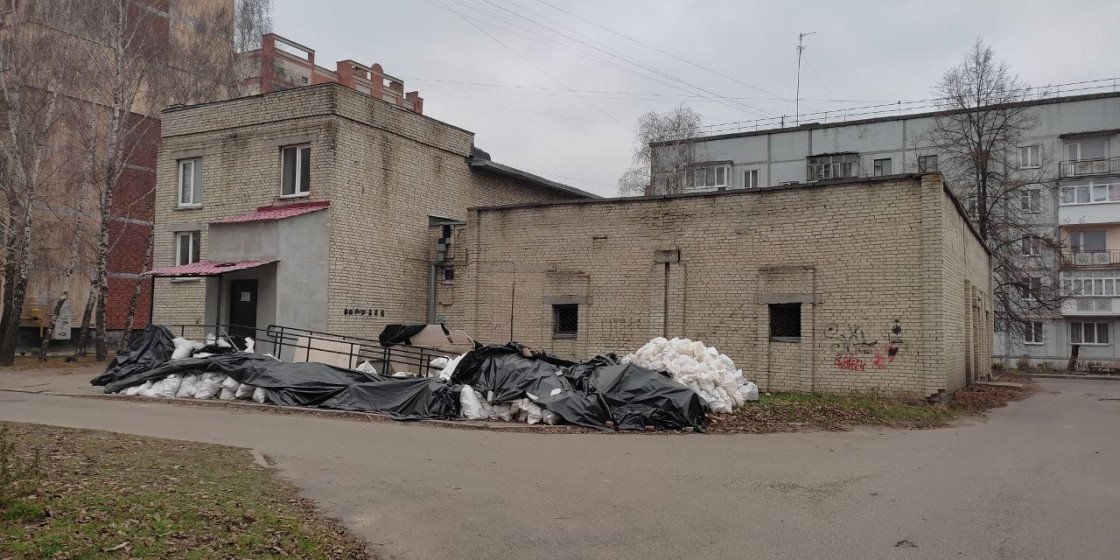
(526,59)
(669,54)
(674,81)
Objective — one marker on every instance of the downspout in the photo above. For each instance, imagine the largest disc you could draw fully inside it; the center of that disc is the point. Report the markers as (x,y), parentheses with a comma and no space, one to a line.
(431,293)
(813,337)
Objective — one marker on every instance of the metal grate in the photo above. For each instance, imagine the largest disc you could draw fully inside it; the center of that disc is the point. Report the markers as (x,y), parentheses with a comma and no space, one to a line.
(565,319)
(785,322)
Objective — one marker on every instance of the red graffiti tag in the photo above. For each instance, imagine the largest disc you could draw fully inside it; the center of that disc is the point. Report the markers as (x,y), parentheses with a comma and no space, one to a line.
(850,362)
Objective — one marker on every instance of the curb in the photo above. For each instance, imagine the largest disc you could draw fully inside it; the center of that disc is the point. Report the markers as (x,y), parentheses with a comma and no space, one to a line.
(1072,376)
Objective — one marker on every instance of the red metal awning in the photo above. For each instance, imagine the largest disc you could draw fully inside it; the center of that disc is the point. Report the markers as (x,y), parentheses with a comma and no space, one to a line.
(271,213)
(206,268)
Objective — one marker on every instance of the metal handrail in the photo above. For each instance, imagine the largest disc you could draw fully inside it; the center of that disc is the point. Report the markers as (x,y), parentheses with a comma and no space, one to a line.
(1088,167)
(291,342)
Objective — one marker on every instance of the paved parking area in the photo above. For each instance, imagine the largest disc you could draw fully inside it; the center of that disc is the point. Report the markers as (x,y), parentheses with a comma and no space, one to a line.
(1037,479)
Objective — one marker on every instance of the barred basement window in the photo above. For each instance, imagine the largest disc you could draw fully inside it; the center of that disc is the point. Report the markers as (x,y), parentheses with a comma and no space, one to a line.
(565,320)
(785,322)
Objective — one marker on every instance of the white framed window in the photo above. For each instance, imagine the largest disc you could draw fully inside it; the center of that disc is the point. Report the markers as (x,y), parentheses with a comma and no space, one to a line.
(1030,200)
(882,167)
(1032,332)
(1090,193)
(708,177)
(750,179)
(1030,157)
(1032,246)
(190,182)
(1089,148)
(1030,289)
(833,166)
(1087,241)
(187,245)
(296,170)
(1088,333)
(927,164)
(1095,283)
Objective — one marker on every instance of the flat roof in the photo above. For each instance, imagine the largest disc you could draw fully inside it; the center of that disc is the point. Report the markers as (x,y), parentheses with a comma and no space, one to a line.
(755,191)
(859,122)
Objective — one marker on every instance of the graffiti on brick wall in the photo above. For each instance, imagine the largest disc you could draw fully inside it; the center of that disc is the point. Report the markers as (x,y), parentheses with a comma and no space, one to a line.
(853,348)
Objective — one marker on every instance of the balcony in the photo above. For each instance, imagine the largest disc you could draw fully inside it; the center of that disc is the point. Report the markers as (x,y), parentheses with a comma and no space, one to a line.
(1090,259)
(1088,167)
(1091,306)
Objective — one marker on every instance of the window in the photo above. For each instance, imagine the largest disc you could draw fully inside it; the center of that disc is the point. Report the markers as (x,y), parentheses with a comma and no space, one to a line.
(785,322)
(1088,333)
(1031,289)
(833,166)
(1030,157)
(565,320)
(750,179)
(1030,200)
(1032,332)
(707,178)
(927,164)
(296,170)
(190,182)
(187,247)
(1032,246)
(1094,148)
(1088,241)
(1099,284)
(448,274)
(882,167)
(1090,193)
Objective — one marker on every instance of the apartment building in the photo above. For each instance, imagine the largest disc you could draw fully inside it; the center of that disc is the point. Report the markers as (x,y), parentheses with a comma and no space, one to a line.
(67,209)
(281,63)
(1075,148)
(312,207)
(806,287)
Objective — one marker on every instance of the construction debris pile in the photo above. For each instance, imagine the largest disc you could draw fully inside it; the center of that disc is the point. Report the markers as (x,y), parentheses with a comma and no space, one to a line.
(667,384)
(701,368)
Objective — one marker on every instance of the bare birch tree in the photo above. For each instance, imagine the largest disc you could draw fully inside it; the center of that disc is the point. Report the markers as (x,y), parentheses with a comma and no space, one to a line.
(34,73)
(663,151)
(978,135)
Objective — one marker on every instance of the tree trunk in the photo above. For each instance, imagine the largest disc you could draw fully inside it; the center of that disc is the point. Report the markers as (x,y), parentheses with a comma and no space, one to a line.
(134,301)
(44,345)
(83,333)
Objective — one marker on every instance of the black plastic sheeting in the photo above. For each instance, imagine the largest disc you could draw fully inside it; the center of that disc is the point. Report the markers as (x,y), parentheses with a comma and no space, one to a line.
(601,393)
(400,334)
(152,348)
(589,394)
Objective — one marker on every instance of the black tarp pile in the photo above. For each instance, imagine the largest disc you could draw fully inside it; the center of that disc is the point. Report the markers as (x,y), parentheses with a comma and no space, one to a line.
(601,393)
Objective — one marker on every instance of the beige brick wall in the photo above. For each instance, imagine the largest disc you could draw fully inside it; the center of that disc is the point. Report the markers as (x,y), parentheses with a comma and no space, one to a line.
(879,268)
(384,169)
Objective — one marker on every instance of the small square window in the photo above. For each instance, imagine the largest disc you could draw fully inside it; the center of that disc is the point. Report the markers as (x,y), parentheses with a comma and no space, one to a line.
(785,322)
(187,247)
(1029,157)
(927,164)
(1032,332)
(565,320)
(882,167)
(1030,200)
(750,179)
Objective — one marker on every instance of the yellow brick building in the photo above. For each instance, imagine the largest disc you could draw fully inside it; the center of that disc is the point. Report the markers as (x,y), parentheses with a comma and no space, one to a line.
(311,208)
(837,286)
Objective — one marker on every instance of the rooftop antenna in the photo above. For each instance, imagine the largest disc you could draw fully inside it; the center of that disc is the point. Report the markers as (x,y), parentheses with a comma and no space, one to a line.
(797,96)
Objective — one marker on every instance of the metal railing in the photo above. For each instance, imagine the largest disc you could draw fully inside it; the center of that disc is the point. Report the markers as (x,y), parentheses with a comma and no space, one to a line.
(1090,259)
(301,345)
(1088,167)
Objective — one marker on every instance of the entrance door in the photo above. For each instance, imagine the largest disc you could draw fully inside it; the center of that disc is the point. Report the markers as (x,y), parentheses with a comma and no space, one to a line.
(243,307)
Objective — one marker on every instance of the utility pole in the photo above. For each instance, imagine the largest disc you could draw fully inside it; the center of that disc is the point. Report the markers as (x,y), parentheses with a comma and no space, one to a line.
(797,95)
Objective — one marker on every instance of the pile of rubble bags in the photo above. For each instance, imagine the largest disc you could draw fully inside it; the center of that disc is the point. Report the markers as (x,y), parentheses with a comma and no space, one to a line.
(147,369)
(701,368)
(513,382)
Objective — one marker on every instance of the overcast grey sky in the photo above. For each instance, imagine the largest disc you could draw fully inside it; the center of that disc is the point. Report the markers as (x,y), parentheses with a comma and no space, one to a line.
(555,86)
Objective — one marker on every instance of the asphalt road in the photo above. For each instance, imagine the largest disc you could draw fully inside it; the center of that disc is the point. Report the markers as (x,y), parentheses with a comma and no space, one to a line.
(1037,479)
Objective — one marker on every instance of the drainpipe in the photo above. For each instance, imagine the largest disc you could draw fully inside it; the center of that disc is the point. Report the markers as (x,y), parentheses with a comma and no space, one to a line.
(431,293)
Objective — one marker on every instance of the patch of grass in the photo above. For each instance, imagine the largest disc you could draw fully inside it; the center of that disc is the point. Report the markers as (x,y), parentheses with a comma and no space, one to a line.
(786,412)
(56,363)
(106,495)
